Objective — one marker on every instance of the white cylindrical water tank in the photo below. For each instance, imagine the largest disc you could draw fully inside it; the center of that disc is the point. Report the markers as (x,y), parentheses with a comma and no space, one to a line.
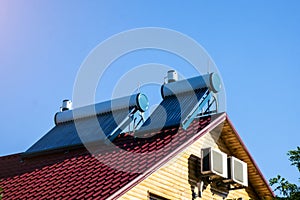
(211,81)
(139,101)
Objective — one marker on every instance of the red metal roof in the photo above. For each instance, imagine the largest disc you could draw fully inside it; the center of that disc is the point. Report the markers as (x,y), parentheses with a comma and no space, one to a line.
(112,171)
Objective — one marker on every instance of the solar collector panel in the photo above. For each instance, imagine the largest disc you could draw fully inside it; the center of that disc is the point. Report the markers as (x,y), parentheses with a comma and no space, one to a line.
(173,110)
(88,129)
(78,126)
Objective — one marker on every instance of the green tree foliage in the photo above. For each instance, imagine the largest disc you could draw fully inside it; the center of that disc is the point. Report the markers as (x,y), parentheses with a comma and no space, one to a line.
(289,191)
(295,157)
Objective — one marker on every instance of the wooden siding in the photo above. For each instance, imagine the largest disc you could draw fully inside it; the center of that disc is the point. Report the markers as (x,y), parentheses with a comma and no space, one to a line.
(175,179)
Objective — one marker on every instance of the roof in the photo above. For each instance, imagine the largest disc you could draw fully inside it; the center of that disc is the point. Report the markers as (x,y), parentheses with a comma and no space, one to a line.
(76,173)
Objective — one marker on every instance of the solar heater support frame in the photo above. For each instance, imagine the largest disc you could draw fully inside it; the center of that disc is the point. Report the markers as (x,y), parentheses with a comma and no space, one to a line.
(122,125)
(198,109)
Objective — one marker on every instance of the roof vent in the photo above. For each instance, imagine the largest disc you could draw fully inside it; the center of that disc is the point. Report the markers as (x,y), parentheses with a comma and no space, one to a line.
(172,76)
(66,105)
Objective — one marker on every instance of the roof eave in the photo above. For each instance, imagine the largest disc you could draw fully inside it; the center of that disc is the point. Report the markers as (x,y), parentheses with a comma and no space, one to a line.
(249,155)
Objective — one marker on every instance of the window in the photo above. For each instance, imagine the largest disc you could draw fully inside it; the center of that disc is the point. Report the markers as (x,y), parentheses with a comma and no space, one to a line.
(156,197)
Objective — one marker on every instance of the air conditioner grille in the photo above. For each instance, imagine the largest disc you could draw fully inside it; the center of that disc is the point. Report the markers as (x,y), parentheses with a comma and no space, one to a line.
(218,162)
(238,171)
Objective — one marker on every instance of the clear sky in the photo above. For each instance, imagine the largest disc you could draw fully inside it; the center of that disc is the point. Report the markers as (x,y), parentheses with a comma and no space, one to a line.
(255,44)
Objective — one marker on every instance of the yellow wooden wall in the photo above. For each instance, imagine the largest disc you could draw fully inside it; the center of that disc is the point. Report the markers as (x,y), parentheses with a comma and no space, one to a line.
(173,180)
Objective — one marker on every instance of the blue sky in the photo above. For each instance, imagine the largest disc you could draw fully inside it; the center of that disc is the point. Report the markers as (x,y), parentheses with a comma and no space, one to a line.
(256,46)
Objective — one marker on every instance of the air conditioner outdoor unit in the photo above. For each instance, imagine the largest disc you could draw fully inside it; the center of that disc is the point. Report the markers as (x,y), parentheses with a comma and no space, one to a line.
(237,171)
(213,162)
